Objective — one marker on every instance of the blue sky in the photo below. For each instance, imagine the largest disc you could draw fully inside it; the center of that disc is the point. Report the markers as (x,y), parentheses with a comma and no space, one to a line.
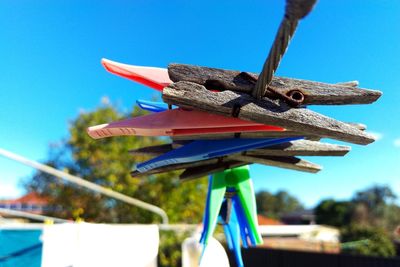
(50,69)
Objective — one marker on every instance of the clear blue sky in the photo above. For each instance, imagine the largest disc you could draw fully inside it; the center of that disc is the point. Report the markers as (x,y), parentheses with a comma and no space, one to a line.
(50,69)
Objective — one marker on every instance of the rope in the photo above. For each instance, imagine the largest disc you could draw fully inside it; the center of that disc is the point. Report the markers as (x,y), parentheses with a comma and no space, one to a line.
(294,11)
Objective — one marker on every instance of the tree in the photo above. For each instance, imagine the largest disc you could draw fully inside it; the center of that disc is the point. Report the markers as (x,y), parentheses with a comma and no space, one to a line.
(107,162)
(375,196)
(274,205)
(374,205)
(392,219)
(367,222)
(365,240)
(334,213)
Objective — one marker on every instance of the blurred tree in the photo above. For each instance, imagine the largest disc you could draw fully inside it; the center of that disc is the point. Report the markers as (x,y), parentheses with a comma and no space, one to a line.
(375,196)
(360,214)
(265,202)
(171,247)
(367,222)
(369,241)
(274,205)
(107,162)
(335,213)
(374,205)
(392,219)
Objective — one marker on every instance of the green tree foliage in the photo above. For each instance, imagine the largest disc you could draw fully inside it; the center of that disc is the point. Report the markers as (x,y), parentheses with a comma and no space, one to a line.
(392,219)
(375,206)
(274,205)
(335,213)
(365,240)
(375,196)
(107,162)
(367,221)
(171,246)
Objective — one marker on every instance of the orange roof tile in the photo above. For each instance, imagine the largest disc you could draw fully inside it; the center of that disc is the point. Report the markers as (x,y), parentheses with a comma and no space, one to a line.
(30,198)
(262,220)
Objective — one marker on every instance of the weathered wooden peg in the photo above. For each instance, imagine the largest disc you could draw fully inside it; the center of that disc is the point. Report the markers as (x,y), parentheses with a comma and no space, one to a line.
(267,111)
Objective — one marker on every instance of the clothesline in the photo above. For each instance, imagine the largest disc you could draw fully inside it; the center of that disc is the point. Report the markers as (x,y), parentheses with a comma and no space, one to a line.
(86,184)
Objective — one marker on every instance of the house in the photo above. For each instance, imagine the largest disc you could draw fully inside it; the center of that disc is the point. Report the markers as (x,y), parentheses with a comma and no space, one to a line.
(263,220)
(30,202)
(311,237)
(299,217)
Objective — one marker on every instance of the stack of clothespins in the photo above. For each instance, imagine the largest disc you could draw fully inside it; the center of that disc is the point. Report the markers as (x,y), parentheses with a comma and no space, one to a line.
(219,125)
(222,131)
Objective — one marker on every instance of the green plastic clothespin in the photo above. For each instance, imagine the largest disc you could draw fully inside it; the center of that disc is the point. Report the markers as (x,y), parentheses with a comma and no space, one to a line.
(239,180)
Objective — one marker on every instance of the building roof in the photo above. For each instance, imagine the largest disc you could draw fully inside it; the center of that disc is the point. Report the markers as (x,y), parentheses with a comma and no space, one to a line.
(303,214)
(262,220)
(306,232)
(31,198)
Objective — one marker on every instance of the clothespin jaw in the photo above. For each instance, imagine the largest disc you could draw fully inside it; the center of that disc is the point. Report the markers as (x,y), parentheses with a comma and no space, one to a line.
(230,223)
(151,105)
(176,122)
(231,200)
(206,149)
(218,209)
(247,235)
(215,197)
(240,179)
(316,93)
(156,78)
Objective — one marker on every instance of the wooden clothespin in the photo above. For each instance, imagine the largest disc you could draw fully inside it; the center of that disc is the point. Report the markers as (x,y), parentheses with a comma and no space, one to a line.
(302,92)
(267,111)
(292,148)
(207,149)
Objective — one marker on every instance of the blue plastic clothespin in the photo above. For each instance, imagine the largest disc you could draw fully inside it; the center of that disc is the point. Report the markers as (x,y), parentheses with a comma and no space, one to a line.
(152,105)
(231,226)
(232,230)
(207,149)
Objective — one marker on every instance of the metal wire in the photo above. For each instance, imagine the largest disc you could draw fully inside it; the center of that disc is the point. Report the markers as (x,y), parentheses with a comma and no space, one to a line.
(81,182)
(294,11)
(32,216)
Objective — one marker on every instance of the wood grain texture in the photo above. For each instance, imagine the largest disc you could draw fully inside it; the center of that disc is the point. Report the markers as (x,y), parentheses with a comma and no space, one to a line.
(179,166)
(201,171)
(315,93)
(359,126)
(301,148)
(151,150)
(216,136)
(269,134)
(349,83)
(291,163)
(208,166)
(293,148)
(266,111)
